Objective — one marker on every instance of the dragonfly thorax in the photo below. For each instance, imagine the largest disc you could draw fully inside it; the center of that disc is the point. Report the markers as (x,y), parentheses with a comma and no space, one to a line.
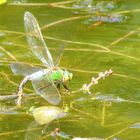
(57,75)
(61,75)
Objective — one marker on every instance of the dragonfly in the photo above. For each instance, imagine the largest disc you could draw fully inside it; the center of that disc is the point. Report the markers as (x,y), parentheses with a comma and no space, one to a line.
(46,82)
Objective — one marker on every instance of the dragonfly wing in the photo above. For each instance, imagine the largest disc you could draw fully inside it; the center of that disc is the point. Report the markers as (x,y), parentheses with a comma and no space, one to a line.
(59,56)
(46,88)
(23,69)
(36,41)
(33,135)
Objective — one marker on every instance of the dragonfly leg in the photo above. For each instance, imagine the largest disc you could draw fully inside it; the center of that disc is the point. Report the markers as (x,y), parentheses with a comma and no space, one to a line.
(58,86)
(20,90)
(65,87)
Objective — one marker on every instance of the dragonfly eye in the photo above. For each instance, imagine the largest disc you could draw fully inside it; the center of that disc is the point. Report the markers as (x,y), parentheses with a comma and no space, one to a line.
(70,76)
(67,76)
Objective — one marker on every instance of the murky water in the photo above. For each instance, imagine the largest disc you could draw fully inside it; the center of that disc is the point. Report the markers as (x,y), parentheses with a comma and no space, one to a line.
(112,111)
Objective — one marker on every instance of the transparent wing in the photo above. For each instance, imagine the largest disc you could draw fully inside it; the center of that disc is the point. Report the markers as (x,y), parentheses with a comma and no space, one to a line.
(46,88)
(23,69)
(59,56)
(33,131)
(36,41)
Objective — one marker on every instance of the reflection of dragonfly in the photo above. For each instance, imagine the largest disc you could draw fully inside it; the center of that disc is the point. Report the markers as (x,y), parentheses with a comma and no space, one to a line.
(46,82)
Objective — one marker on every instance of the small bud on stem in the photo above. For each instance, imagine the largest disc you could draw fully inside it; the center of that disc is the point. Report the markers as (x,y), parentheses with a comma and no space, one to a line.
(86,87)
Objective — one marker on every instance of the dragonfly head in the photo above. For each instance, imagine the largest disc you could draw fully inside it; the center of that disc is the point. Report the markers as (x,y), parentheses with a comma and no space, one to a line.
(67,76)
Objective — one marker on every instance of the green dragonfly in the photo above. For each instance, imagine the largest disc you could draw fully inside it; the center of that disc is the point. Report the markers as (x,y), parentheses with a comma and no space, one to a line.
(46,82)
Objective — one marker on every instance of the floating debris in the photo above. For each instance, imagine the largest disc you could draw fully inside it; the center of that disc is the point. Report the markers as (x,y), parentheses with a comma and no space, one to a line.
(135,125)
(46,114)
(109,98)
(91,7)
(108,18)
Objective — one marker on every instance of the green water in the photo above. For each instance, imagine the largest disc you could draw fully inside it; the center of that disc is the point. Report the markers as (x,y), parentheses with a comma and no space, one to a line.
(88,51)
